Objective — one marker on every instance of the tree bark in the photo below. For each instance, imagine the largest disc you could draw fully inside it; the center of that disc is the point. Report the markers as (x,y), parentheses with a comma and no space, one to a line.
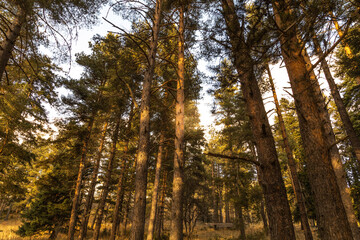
(330,211)
(119,194)
(8,43)
(155,194)
(75,203)
(277,206)
(242,224)
(179,161)
(354,140)
(8,212)
(292,164)
(263,216)
(159,219)
(107,181)
(348,126)
(138,221)
(90,196)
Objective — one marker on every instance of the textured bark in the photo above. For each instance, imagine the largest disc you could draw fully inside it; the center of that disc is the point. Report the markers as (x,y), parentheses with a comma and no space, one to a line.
(8,43)
(277,206)
(179,161)
(155,194)
(75,203)
(354,140)
(119,194)
(291,164)
(90,196)
(138,221)
(107,181)
(347,124)
(330,211)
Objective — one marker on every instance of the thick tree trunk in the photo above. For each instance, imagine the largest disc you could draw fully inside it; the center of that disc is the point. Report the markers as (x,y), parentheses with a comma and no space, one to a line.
(277,206)
(119,194)
(292,164)
(138,221)
(107,181)
(9,41)
(90,196)
(155,194)
(330,211)
(354,140)
(179,161)
(75,203)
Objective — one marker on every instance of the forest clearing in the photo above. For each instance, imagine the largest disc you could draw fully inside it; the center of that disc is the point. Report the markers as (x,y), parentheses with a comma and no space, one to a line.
(181,119)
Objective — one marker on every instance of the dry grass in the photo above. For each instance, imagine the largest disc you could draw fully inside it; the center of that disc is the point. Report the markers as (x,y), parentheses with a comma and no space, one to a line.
(202,232)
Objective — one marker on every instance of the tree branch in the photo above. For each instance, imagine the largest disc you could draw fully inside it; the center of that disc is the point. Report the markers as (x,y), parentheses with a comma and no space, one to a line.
(248,160)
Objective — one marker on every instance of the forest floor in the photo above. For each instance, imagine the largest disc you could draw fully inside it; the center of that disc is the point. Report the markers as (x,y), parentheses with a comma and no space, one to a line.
(201,232)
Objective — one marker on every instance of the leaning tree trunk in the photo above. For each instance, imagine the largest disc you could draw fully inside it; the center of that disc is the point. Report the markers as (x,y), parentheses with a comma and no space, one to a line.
(12,34)
(90,196)
(330,211)
(107,181)
(348,126)
(291,163)
(155,194)
(277,206)
(178,181)
(138,221)
(75,203)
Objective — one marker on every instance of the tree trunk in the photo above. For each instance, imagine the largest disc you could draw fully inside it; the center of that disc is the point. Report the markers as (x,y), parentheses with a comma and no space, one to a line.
(263,217)
(227,207)
(242,224)
(90,196)
(138,221)
(159,218)
(277,206)
(292,164)
(354,140)
(331,215)
(214,195)
(94,219)
(9,41)
(179,161)
(75,203)
(8,212)
(107,181)
(119,194)
(154,199)
(348,126)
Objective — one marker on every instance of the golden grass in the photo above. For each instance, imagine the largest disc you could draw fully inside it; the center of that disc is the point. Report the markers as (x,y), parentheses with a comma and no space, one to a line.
(201,232)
